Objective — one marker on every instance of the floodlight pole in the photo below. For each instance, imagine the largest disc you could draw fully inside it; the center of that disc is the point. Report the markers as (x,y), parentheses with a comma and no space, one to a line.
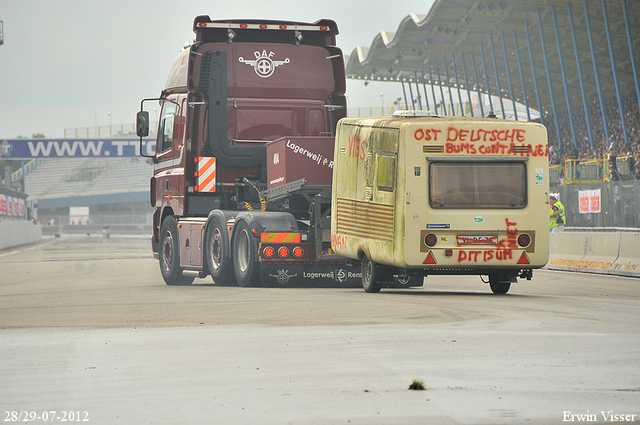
(455,74)
(442,93)
(524,88)
(615,74)
(595,72)
(533,71)
(424,87)
(486,77)
(433,91)
(495,69)
(466,80)
(631,53)
(546,66)
(446,72)
(564,79)
(475,75)
(506,64)
(584,94)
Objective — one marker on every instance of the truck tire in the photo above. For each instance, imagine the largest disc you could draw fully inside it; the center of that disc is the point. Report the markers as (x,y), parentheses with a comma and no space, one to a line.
(216,252)
(245,251)
(499,284)
(374,275)
(169,255)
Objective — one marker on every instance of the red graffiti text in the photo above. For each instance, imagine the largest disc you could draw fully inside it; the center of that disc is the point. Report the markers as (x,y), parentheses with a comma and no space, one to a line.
(356,148)
(506,135)
(338,242)
(484,256)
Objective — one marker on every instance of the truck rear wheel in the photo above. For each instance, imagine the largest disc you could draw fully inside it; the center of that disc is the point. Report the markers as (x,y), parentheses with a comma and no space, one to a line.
(374,275)
(245,251)
(216,251)
(499,284)
(169,255)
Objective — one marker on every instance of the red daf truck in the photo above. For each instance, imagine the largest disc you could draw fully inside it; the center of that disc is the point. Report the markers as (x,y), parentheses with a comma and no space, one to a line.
(244,155)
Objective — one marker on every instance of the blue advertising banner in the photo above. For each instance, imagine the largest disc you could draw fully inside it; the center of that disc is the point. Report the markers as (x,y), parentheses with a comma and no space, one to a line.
(74,148)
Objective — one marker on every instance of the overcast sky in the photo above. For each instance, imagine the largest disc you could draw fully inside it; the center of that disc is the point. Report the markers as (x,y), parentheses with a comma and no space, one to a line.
(69,63)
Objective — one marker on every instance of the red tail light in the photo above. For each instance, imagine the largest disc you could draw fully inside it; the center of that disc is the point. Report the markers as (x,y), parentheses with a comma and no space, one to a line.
(298,252)
(269,252)
(283,252)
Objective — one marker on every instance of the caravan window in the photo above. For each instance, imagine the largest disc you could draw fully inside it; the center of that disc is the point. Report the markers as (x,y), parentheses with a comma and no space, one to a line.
(386,171)
(469,184)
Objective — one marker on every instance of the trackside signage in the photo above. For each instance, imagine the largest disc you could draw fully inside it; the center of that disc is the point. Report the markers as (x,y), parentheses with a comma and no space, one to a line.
(11,206)
(75,148)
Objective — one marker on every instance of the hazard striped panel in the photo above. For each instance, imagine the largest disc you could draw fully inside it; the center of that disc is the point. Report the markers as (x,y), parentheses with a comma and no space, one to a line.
(206,174)
(280,237)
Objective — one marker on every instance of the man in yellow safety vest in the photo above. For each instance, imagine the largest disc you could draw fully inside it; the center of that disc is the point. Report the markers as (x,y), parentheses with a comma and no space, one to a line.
(557,216)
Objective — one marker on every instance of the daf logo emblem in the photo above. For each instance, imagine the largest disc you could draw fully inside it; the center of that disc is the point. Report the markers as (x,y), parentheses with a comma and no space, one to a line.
(263,65)
(283,276)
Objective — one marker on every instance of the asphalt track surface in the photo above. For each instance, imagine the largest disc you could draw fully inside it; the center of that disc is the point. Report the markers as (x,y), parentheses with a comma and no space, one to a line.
(88,330)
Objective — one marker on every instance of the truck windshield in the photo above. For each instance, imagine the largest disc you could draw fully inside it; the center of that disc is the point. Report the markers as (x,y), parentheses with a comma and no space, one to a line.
(477,185)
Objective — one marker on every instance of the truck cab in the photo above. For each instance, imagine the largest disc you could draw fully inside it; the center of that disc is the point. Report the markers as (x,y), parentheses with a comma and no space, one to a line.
(242,86)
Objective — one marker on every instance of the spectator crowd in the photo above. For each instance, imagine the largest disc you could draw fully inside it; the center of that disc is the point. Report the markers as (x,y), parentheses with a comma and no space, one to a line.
(562,148)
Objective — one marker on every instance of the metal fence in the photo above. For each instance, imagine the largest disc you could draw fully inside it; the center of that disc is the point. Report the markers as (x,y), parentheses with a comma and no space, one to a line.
(594,170)
(96,219)
(115,130)
(619,204)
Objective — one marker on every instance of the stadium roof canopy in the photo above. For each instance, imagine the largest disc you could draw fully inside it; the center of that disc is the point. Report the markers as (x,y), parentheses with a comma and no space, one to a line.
(464,44)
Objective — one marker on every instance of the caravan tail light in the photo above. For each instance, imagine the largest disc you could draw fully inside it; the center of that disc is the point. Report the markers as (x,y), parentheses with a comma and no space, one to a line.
(431,239)
(524,240)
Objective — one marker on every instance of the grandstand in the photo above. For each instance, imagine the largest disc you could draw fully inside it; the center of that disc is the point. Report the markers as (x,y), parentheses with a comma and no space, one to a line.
(574,61)
(115,189)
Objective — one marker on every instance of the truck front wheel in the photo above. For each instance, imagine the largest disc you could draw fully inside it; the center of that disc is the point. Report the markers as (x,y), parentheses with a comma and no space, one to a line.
(216,252)
(170,254)
(245,251)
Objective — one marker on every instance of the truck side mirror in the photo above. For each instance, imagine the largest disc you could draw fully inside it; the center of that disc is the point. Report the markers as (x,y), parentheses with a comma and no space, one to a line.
(142,124)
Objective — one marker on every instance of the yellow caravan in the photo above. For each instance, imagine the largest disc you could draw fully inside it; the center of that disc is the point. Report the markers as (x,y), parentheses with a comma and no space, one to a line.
(418,194)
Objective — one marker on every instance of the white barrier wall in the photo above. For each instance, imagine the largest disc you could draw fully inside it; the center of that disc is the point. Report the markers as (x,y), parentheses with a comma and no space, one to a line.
(615,253)
(18,232)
